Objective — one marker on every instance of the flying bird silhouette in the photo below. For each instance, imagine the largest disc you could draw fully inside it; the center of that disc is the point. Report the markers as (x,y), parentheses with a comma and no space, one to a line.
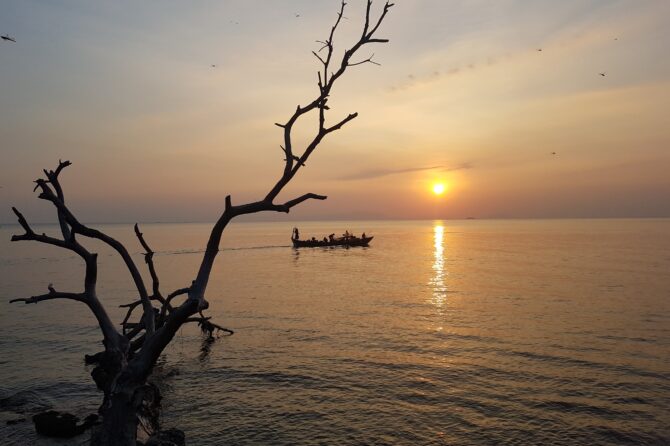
(553,153)
(297,15)
(602,74)
(213,66)
(6,37)
(539,49)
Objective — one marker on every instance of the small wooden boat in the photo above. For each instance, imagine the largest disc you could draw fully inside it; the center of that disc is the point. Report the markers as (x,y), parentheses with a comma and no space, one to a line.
(346,240)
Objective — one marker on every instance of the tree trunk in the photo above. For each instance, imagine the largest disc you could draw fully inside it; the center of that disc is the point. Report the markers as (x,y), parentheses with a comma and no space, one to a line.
(119,421)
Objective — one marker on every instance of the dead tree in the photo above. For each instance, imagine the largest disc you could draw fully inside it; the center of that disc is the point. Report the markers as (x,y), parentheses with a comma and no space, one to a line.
(131,350)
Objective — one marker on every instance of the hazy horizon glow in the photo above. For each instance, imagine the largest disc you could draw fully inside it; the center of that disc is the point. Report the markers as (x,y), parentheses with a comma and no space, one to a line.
(126,92)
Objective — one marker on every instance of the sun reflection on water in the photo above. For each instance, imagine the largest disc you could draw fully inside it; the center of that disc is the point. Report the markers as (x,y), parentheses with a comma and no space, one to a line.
(437,281)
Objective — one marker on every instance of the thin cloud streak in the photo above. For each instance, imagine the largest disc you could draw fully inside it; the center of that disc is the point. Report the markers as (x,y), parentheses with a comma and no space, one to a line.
(376,173)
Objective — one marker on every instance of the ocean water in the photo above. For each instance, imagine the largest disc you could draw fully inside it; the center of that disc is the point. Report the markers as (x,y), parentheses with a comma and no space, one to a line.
(544,332)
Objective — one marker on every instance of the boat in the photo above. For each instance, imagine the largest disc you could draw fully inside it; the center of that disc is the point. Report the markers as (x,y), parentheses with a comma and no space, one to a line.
(347,240)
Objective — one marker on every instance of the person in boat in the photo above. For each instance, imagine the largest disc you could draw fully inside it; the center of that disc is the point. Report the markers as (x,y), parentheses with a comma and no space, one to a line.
(313,239)
(363,236)
(331,237)
(296,234)
(325,240)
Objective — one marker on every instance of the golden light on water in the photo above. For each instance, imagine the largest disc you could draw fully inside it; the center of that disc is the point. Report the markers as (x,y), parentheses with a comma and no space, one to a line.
(437,282)
(439,188)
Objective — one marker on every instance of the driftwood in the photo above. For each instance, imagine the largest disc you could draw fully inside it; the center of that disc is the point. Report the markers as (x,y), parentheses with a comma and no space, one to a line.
(152,320)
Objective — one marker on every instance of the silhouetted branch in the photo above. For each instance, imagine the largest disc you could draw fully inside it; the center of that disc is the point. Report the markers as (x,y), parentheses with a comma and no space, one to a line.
(22,221)
(341,123)
(368,60)
(149,259)
(208,327)
(319,57)
(179,292)
(52,176)
(293,163)
(286,207)
(30,235)
(52,294)
(79,228)
(385,11)
(131,308)
(89,296)
(326,80)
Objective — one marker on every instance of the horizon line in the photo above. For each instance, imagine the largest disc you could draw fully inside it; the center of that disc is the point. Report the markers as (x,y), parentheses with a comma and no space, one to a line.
(193,222)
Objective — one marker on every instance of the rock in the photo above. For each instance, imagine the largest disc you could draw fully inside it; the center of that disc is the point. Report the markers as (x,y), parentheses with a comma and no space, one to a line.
(61,424)
(56,424)
(168,437)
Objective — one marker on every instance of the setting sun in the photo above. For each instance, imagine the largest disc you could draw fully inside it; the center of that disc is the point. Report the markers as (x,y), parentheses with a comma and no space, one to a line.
(439,188)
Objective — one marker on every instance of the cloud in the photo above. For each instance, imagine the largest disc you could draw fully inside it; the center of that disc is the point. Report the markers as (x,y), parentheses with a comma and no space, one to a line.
(376,173)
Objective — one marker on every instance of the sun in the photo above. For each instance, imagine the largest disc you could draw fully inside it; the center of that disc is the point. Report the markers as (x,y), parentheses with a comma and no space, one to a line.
(439,188)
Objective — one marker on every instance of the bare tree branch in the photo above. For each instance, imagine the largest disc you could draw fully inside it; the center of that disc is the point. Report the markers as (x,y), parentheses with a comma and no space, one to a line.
(385,11)
(368,60)
(79,228)
(149,259)
(52,176)
(43,238)
(286,207)
(89,296)
(209,327)
(52,294)
(179,292)
(325,83)
(293,163)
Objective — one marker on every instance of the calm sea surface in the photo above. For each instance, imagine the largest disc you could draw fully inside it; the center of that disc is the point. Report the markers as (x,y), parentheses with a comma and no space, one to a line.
(453,332)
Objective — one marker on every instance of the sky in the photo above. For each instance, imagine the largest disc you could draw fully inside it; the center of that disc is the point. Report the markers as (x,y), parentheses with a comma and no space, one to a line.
(125,90)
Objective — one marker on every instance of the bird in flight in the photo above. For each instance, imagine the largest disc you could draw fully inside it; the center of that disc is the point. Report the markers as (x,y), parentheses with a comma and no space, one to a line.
(297,15)
(10,39)
(602,74)
(539,50)
(213,66)
(553,153)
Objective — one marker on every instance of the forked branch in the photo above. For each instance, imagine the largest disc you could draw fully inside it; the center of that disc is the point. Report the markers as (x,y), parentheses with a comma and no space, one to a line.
(77,227)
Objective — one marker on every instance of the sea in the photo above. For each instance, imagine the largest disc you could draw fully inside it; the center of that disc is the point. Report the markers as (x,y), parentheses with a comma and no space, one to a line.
(452,332)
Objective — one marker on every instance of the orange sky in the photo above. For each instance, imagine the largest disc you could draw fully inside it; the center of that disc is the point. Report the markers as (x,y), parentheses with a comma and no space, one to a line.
(126,92)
